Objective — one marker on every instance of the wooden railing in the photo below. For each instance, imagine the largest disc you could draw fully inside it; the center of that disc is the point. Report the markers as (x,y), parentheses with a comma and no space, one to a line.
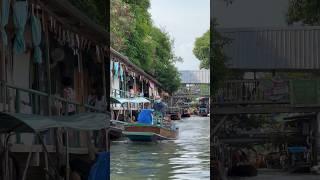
(253,92)
(39,103)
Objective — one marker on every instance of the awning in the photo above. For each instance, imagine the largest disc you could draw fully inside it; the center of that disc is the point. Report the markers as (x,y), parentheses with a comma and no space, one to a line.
(17,122)
(117,100)
(139,100)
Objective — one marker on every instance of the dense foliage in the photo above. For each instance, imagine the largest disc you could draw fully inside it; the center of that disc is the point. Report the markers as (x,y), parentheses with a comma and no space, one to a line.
(134,35)
(305,11)
(95,9)
(202,52)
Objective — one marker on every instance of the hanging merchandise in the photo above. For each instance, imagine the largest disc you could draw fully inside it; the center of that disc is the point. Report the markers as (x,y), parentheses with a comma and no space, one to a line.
(36,39)
(111,65)
(5,8)
(121,73)
(151,85)
(20,14)
(116,69)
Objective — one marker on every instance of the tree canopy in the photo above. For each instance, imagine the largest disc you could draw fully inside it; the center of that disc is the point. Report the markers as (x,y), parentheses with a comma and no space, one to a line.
(134,35)
(202,52)
(305,11)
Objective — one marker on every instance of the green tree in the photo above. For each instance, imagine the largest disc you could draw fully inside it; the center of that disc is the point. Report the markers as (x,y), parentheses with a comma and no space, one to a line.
(202,52)
(305,11)
(95,9)
(134,35)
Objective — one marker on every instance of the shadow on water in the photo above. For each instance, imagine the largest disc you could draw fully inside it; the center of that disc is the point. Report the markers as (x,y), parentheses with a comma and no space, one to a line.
(186,158)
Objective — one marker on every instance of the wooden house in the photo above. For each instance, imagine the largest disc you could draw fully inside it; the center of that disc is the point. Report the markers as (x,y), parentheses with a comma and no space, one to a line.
(43,42)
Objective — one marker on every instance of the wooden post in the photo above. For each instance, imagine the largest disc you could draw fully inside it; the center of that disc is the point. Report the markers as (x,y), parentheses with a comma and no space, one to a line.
(317,140)
(67,155)
(3,74)
(47,61)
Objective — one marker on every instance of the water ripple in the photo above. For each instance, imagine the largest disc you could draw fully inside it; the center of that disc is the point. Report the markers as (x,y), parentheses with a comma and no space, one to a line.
(187,158)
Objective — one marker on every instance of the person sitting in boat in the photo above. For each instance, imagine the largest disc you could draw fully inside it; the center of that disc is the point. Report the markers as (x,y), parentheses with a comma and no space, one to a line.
(145,116)
(159,106)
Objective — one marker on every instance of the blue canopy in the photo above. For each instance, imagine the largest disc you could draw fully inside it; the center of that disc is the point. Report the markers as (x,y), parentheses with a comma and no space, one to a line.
(145,116)
(297,149)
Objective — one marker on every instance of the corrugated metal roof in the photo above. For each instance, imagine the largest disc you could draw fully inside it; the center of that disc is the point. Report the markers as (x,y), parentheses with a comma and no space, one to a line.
(195,77)
(285,48)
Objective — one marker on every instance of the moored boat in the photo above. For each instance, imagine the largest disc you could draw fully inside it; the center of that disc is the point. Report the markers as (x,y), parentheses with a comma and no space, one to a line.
(186,113)
(150,129)
(143,132)
(174,113)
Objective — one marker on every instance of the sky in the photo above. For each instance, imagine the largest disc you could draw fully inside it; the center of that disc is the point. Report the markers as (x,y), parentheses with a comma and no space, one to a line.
(184,20)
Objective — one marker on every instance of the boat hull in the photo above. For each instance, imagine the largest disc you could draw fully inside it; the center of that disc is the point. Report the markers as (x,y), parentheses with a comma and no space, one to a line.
(149,133)
(185,115)
(175,116)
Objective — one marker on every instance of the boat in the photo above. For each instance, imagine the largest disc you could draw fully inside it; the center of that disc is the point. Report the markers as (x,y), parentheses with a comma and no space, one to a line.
(203,110)
(149,129)
(174,113)
(186,113)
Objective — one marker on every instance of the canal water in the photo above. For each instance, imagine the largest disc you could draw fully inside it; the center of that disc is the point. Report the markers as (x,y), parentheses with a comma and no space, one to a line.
(265,174)
(187,158)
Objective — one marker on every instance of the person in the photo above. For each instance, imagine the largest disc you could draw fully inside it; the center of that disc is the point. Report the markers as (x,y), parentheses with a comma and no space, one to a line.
(69,94)
(92,97)
(159,106)
(100,102)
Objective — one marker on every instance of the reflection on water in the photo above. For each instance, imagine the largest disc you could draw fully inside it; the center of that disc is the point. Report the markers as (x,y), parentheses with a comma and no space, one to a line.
(186,158)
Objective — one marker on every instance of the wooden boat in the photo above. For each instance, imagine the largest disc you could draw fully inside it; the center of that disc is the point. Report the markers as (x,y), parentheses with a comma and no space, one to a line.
(147,133)
(174,113)
(159,129)
(186,113)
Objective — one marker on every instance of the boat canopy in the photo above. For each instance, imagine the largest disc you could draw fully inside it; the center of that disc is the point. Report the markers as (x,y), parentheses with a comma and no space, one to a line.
(118,100)
(136,100)
(139,100)
(18,122)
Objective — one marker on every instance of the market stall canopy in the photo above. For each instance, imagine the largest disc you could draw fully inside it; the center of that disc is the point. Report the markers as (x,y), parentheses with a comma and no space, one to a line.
(139,100)
(17,122)
(118,100)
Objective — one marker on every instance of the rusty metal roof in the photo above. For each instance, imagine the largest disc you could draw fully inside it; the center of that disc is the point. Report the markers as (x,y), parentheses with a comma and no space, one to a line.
(284,48)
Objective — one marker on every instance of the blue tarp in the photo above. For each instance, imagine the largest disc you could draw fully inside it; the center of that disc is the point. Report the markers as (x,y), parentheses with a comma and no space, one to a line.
(145,116)
(101,169)
(297,149)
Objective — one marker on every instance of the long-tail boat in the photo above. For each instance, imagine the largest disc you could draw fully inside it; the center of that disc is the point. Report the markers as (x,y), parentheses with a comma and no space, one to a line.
(186,113)
(174,113)
(150,129)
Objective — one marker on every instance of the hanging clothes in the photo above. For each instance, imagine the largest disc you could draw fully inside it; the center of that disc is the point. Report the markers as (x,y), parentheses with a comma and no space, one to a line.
(36,38)
(116,69)
(121,73)
(20,15)
(111,68)
(4,20)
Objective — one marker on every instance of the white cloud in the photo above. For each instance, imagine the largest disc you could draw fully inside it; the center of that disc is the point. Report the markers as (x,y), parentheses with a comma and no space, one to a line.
(184,20)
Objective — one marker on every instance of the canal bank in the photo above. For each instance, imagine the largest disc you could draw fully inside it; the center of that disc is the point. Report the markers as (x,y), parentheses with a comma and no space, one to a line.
(184,158)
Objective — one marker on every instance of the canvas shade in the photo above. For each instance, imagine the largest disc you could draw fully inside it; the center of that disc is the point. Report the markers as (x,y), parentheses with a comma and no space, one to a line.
(18,122)
(117,100)
(139,100)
